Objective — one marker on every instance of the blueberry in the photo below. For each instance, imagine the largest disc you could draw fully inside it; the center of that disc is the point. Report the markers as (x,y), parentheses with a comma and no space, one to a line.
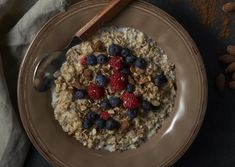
(160,80)
(130,88)
(125,52)
(105,104)
(102,59)
(80,94)
(114,101)
(146,105)
(101,80)
(100,123)
(141,63)
(132,113)
(130,59)
(91,60)
(87,124)
(114,50)
(92,116)
(126,70)
(111,124)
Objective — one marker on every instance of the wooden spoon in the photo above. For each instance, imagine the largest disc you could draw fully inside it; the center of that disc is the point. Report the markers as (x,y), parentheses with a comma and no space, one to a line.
(43,74)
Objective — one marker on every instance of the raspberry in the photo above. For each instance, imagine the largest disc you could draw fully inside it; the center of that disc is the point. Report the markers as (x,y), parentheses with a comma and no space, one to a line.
(130,101)
(95,92)
(104,115)
(83,60)
(116,62)
(118,81)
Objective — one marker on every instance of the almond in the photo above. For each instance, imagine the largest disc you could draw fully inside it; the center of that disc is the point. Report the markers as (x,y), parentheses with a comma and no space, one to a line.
(227,58)
(220,82)
(231,49)
(232,85)
(229,7)
(230,68)
(233,77)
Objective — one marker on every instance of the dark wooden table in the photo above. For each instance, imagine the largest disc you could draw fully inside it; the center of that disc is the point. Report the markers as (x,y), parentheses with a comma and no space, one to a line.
(215,144)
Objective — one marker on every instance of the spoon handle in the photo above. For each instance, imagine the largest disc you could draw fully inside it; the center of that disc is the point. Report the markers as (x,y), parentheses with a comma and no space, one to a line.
(104,16)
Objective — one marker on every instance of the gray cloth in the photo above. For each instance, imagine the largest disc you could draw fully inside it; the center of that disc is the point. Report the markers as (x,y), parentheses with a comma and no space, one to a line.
(14,143)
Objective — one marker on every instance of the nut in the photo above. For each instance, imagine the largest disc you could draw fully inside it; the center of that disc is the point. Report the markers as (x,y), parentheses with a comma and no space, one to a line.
(231,49)
(133,69)
(232,85)
(227,58)
(98,46)
(220,82)
(233,77)
(131,80)
(125,125)
(229,7)
(230,68)
(77,85)
(155,102)
(88,74)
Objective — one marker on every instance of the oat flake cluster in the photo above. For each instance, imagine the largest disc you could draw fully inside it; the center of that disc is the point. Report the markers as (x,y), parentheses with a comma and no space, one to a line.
(115,90)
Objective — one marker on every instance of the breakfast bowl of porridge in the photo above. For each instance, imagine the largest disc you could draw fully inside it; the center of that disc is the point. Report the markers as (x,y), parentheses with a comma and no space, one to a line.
(134,93)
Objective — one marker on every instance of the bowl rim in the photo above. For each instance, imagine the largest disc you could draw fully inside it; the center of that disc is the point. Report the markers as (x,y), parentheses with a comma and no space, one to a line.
(147,6)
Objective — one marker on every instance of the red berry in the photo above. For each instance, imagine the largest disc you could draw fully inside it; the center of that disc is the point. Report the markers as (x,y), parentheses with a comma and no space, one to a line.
(83,60)
(116,62)
(118,81)
(104,115)
(130,100)
(95,92)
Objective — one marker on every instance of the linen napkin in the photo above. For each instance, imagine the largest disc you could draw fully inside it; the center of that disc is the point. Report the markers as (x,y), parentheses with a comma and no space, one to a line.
(14,143)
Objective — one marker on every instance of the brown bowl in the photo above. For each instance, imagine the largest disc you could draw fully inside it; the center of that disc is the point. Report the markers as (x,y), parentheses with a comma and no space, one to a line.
(178,130)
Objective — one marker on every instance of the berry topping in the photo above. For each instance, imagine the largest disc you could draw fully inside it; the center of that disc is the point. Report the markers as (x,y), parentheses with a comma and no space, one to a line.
(126,71)
(104,115)
(80,94)
(146,105)
(116,62)
(130,88)
(111,124)
(102,59)
(130,59)
(130,100)
(101,80)
(95,92)
(83,60)
(105,104)
(100,123)
(91,60)
(141,63)
(92,115)
(114,101)
(87,124)
(160,80)
(118,81)
(114,50)
(125,52)
(132,113)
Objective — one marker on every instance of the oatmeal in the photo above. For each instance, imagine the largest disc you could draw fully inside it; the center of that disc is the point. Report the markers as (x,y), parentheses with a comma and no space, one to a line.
(115,90)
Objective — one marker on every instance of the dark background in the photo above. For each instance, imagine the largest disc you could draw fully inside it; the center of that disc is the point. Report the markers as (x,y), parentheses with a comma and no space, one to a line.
(215,143)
